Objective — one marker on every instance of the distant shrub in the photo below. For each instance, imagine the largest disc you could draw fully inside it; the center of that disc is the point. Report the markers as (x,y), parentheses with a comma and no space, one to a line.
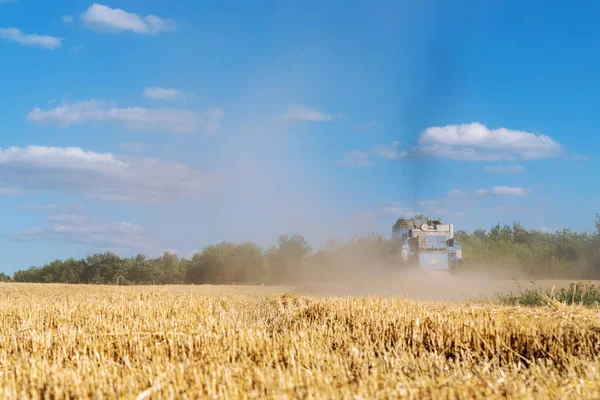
(575,294)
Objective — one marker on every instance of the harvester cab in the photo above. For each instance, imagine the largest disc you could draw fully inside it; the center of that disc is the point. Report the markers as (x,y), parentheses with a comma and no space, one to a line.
(427,245)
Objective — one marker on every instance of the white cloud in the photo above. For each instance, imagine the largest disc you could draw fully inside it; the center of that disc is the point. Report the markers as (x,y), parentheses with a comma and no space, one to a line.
(510,191)
(32,40)
(504,191)
(103,176)
(303,113)
(67,19)
(505,169)
(92,232)
(389,152)
(475,142)
(105,19)
(169,120)
(158,93)
(355,159)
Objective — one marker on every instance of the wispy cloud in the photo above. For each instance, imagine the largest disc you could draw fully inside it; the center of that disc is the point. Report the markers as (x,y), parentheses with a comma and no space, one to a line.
(102,176)
(92,232)
(78,49)
(51,207)
(9,191)
(354,159)
(168,120)
(475,142)
(159,93)
(504,191)
(456,193)
(31,39)
(36,207)
(67,19)
(510,191)
(505,169)
(105,19)
(66,218)
(304,113)
(581,157)
(389,152)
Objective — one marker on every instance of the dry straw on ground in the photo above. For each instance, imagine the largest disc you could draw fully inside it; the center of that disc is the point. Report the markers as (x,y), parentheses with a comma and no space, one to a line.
(139,343)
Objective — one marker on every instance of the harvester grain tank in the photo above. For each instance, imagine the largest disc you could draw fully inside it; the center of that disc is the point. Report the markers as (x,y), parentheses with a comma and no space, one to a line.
(427,245)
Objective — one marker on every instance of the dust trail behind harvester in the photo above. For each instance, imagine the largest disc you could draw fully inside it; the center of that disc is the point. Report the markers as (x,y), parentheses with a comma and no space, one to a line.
(365,274)
(414,285)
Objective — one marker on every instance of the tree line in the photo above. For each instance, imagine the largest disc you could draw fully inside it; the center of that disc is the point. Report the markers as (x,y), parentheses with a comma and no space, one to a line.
(509,249)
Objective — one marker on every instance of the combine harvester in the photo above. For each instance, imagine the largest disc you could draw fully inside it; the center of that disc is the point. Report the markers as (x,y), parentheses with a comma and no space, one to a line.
(426,246)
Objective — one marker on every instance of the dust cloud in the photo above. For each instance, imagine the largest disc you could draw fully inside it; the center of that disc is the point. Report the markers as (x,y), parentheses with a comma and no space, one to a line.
(373,269)
(369,270)
(416,285)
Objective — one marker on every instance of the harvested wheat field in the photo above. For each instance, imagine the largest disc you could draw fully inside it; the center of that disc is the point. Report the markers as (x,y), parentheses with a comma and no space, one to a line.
(59,341)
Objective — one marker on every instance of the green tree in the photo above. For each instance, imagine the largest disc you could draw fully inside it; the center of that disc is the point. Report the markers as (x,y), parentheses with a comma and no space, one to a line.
(227,263)
(142,271)
(170,270)
(107,268)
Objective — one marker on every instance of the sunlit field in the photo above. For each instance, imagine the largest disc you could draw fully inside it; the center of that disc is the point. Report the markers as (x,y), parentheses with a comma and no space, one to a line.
(188,342)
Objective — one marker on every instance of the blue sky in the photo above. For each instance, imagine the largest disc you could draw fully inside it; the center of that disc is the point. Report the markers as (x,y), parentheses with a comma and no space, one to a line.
(144,126)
